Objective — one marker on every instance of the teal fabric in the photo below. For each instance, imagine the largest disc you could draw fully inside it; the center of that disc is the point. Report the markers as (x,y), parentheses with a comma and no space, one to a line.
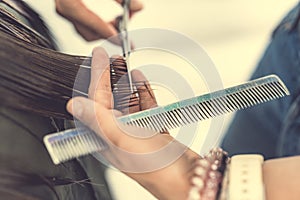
(272,128)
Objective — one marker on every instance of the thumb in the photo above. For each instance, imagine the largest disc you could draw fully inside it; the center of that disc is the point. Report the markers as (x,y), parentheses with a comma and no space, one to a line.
(85,110)
(95,116)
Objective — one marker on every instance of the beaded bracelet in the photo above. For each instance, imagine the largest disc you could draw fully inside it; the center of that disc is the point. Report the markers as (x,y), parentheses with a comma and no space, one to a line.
(207,175)
(217,177)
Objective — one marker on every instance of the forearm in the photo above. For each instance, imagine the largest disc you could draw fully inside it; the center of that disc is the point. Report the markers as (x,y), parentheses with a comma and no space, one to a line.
(170,182)
(160,164)
(282,178)
(174,186)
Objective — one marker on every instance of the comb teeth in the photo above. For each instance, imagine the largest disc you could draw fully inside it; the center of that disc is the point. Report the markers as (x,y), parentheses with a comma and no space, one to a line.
(72,143)
(209,105)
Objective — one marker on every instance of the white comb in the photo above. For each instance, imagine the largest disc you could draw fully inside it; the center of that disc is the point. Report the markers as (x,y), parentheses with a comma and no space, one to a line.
(209,105)
(73,143)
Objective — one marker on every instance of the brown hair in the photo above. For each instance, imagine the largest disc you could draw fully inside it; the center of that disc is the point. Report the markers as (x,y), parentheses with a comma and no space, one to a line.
(34,77)
(37,79)
(20,85)
(12,184)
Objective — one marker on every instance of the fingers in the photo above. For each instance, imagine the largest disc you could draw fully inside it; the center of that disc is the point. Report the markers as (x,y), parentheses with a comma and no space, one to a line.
(84,110)
(134,105)
(87,23)
(135,5)
(147,98)
(100,72)
(92,32)
(146,95)
(100,85)
(102,121)
(96,116)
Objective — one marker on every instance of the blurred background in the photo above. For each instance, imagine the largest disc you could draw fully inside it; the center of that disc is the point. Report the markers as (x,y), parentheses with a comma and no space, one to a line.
(234,33)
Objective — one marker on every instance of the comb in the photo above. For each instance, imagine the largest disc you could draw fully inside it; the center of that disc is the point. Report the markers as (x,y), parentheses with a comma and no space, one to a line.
(73,143)
(208,105)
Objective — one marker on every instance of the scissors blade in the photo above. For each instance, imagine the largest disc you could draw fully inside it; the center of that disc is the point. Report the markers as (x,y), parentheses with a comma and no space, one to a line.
(126,46)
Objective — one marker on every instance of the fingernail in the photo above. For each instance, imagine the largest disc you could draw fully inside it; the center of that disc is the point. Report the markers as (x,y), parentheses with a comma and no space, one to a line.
(77,108)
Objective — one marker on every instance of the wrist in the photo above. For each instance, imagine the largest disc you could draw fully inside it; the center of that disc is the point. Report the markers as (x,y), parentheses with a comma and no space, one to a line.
(170,182)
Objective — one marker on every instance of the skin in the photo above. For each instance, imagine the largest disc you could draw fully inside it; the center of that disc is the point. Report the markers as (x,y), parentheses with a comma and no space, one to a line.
(281,176)
(89,25)
(98,114)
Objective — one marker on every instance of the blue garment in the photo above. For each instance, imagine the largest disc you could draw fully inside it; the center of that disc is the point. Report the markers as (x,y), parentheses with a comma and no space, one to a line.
(273,128)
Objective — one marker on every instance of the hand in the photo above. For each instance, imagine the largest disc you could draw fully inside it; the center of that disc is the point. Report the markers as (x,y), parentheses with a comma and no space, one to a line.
(89,25)
(126,151)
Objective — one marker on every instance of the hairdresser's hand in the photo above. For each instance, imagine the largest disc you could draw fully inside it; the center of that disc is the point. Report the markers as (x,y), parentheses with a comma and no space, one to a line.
(89,25)
(127,151)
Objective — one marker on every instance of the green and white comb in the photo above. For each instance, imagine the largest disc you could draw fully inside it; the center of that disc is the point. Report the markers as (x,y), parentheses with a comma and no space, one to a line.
(74,143)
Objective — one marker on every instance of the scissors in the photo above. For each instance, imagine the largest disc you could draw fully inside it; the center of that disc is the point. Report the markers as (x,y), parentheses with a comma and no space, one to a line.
(125,42)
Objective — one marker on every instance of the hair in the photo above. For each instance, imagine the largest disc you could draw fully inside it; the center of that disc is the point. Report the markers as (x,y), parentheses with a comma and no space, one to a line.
(37,78)
(34,77)
(11,180)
